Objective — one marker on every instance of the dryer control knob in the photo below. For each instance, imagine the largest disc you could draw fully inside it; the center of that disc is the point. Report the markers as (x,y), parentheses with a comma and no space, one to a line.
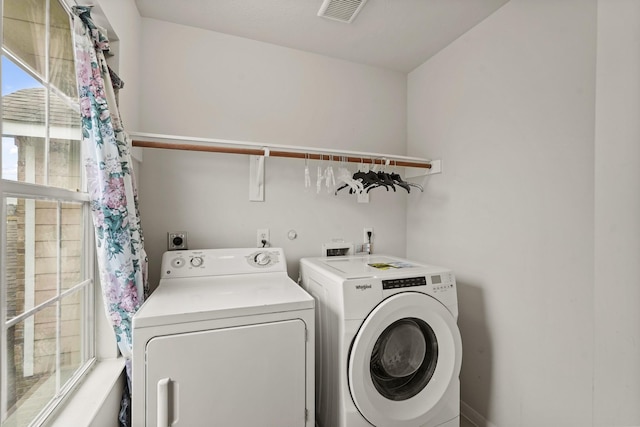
(196,261)
(262,258)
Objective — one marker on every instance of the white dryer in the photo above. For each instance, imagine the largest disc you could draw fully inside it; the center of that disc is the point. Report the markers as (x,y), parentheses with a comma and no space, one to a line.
(226,339)
(388,347)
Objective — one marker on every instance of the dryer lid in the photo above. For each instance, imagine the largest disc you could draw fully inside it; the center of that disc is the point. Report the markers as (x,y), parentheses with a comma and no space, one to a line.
(209,298)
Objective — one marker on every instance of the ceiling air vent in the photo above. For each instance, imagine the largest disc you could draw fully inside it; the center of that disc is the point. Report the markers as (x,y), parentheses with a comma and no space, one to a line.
(341,10)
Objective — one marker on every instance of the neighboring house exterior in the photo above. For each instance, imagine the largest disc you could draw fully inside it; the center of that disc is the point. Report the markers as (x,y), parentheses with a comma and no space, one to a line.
(32,231)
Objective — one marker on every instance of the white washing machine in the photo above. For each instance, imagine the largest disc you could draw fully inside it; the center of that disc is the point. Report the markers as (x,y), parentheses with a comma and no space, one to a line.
(226,339)
(388,347)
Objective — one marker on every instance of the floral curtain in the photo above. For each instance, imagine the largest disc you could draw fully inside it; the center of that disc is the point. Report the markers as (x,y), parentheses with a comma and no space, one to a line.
(114,203)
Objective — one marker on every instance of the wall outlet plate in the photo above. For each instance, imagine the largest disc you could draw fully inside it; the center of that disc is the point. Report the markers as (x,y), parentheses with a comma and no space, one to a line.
(177,240)
(262,234)
(365,235)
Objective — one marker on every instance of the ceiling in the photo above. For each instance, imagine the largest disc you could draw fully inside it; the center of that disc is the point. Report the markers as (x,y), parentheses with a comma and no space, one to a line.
(393,34)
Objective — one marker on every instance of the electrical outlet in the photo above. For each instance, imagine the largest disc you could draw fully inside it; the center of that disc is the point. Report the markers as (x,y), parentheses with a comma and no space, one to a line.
(177,240)
(263,234)
(365,235)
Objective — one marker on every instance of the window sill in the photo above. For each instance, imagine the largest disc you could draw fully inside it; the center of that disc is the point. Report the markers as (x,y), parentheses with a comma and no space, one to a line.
(98,392)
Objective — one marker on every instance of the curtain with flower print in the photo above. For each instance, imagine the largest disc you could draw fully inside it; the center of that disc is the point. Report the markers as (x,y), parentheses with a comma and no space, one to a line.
(114,204)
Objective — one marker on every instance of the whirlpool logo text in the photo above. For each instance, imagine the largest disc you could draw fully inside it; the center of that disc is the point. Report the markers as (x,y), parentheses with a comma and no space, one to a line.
(363,287)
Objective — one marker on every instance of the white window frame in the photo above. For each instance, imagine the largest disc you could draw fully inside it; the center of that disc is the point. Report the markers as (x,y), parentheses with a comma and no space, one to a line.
(14,189)
(90,316)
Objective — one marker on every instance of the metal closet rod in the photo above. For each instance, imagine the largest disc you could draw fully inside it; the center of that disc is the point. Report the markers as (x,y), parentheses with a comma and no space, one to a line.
(146,140)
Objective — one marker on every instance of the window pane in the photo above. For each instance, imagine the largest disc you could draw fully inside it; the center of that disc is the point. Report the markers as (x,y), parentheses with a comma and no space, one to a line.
(24,31)
(31,367)
(71,245)
(15,78)
(61,65)
(24,132)
(64,145)
(23,125)
(45,244)
(71,333)
(31,260)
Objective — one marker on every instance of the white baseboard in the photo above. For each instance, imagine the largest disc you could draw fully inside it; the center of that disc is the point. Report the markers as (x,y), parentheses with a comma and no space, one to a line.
(474,416)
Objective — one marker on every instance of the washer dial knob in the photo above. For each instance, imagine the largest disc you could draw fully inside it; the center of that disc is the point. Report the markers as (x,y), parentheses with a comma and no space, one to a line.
(196,261)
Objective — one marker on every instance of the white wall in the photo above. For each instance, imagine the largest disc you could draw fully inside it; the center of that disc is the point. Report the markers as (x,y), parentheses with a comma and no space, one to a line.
(206,84)
(509,107)
(125,21)
(617,216)
(124,27)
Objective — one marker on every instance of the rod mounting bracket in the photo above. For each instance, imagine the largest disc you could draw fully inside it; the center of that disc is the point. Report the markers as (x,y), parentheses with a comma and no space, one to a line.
(256,178)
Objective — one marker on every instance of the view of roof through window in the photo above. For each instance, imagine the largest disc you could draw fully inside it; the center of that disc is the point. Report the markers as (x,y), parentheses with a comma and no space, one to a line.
(15,79)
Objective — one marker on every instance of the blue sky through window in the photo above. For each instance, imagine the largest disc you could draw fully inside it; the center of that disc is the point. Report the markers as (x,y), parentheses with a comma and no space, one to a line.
(14,78)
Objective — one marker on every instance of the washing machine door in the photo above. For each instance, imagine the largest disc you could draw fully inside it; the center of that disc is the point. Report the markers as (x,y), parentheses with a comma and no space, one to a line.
(405,357)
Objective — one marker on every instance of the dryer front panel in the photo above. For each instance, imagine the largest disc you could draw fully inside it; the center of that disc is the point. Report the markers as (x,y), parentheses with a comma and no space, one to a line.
(404,358)
(244,376)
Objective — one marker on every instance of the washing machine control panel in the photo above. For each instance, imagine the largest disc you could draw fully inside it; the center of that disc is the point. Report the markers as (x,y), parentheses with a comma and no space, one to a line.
(404,282)
(437,282)
(442,282)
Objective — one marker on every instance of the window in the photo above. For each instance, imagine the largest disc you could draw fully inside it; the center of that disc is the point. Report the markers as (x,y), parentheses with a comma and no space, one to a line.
(46,293)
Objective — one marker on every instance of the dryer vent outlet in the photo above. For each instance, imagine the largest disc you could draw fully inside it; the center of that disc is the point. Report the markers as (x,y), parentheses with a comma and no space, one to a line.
(177,240)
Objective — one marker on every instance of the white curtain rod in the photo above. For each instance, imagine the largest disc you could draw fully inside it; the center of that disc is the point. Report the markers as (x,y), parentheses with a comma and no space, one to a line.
(173,142)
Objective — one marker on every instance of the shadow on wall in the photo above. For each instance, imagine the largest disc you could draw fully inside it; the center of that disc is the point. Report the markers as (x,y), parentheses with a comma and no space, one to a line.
(477,356)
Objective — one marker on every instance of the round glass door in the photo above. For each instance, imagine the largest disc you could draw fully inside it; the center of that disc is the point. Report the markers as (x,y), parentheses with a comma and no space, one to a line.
(404,358)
